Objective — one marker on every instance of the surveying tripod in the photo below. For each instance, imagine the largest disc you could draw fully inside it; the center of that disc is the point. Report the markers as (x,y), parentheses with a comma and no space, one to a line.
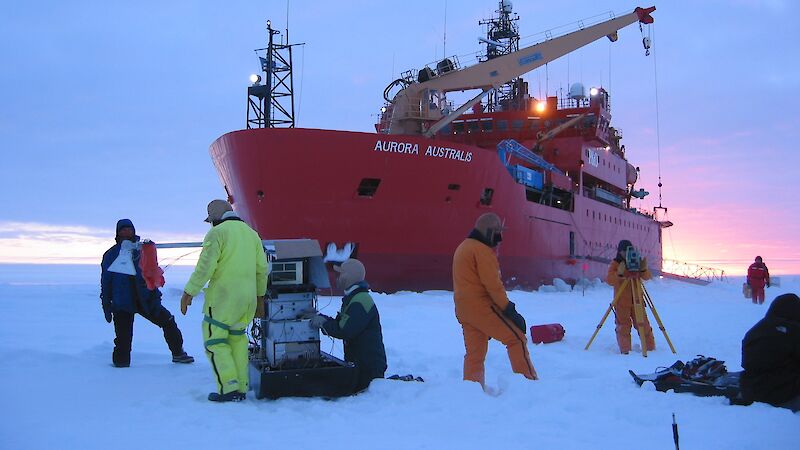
(639,313)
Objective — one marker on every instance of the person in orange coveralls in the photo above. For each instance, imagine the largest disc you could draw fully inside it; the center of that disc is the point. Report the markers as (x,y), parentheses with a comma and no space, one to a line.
(482,306)
(757,277)
(623,310)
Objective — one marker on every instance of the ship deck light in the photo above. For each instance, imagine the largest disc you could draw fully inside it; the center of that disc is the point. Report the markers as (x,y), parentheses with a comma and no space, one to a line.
(255,79)
(541,106)
(593,91)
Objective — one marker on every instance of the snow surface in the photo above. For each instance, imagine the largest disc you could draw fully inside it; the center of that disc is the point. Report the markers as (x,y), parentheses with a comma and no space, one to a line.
(60,390)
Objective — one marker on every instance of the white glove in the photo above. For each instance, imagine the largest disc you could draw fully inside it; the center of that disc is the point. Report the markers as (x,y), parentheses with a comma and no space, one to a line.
(318,320)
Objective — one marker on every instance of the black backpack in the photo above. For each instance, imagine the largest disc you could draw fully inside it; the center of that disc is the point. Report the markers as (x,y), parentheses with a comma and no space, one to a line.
(703,369)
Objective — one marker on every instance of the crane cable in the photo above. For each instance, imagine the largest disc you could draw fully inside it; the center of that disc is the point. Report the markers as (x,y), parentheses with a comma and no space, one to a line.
(647,42)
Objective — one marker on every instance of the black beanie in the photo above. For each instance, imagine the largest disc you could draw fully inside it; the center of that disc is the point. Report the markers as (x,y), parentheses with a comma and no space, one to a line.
(786,306)
(122,223)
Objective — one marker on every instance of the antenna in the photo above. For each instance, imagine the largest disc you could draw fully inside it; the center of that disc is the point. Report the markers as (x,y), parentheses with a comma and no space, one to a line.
(286,36)
(444,44)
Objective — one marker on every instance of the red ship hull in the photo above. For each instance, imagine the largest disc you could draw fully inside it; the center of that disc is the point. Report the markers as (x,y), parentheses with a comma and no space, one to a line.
(304,183)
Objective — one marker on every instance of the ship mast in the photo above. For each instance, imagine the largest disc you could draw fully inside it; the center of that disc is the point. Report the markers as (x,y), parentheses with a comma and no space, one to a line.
(271,105)
(502,38)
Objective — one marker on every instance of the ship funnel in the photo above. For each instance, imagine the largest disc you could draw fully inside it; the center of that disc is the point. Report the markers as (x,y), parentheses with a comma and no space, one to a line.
(577,91)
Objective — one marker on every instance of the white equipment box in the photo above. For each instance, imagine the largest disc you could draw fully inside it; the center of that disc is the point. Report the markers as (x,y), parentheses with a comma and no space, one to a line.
(289,306)
(291,343)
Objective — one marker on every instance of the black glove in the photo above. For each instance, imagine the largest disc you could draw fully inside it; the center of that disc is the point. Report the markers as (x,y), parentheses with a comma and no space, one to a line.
(107,310)
(511,313)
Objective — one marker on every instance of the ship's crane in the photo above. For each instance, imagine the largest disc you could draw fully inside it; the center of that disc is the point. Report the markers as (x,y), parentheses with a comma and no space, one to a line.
(411,109)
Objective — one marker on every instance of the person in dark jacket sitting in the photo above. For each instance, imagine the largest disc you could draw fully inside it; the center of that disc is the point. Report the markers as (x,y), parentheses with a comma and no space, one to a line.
(358,324)
(124,292)
(771,356)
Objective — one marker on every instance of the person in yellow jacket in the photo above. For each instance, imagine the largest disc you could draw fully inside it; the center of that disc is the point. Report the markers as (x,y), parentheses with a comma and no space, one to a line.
(623,310)
(482,306)
(234,265)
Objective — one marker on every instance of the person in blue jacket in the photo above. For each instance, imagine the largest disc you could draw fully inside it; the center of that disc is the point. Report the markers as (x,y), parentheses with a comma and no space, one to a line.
(124,293)
(358,324)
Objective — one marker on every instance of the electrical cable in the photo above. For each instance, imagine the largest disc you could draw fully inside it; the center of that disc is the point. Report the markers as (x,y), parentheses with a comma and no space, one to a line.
(165,268)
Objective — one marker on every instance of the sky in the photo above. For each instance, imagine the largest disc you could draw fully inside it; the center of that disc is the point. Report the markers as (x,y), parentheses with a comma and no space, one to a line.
(107,109)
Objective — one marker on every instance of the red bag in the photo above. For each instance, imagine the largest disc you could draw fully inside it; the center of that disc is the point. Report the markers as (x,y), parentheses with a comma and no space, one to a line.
(545,334)
(148,262)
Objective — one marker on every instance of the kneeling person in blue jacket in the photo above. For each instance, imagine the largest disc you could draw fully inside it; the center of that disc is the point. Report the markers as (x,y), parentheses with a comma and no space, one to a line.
(358,324)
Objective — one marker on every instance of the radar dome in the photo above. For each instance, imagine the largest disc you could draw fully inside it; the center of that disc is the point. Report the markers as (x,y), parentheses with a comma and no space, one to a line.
(577,91)
(506,6)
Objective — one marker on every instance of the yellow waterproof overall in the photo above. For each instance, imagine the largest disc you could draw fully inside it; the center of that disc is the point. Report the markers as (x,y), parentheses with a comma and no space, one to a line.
(234,265)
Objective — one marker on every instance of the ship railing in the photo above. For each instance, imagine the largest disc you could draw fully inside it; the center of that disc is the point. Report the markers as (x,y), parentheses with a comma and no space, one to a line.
(602,195)
(478,56)
(570,103)
(438,68)
(546,35)
(692,271)
(641,212)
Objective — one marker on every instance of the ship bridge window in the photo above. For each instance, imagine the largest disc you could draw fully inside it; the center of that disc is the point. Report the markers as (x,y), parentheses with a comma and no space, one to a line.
(473,126)
(368,187)
(486,196)
(458,127)
(453,187)
(517,124)
(487,124)
(502,125)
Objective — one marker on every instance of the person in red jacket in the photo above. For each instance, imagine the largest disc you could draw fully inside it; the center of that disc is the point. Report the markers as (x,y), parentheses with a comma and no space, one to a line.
(757,278)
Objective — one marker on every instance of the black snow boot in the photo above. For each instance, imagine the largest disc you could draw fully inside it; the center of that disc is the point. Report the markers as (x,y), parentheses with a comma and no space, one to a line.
(234,396)
(182,358)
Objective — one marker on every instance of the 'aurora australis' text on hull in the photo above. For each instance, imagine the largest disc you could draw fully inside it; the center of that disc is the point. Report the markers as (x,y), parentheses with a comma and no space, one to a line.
(415,207)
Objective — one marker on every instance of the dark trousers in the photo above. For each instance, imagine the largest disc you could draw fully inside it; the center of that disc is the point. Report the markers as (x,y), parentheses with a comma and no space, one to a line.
(793,404)
(123,326)
(365,377)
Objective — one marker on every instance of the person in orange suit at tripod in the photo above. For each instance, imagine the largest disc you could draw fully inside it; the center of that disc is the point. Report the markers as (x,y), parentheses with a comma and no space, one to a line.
(623,310)
(482,306)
